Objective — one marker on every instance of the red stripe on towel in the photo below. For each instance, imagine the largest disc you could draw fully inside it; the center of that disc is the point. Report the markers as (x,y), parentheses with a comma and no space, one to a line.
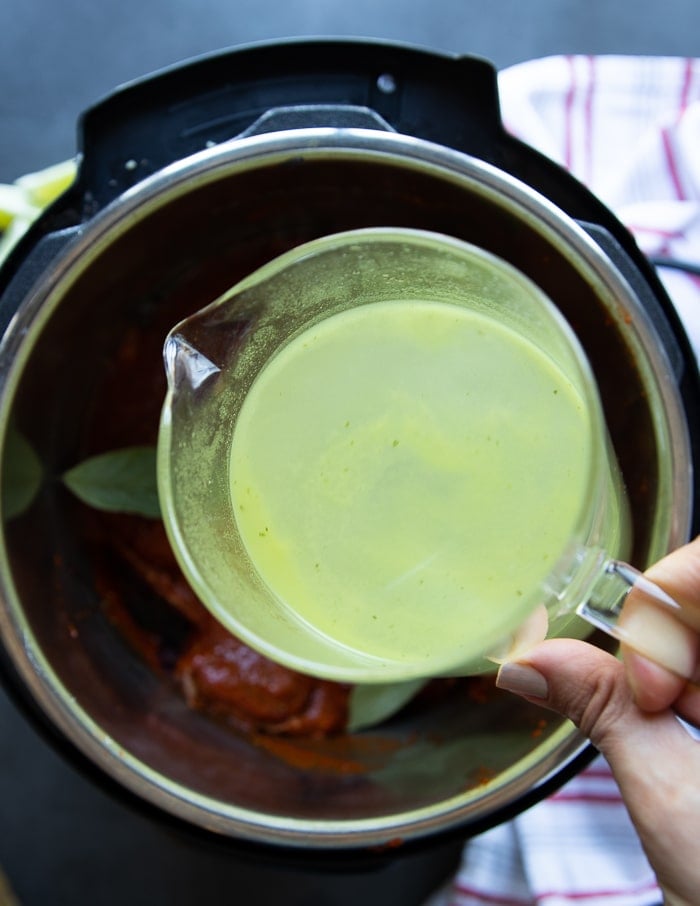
(580,897)
(611,798)
(568,114)
(671,164)
(686,86)
(588,120)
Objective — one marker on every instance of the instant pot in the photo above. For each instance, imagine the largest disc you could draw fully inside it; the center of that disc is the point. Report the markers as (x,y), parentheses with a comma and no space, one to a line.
(188,181)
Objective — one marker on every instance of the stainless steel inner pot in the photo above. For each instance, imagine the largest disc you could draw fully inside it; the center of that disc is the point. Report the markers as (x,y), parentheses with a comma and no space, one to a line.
(164,249)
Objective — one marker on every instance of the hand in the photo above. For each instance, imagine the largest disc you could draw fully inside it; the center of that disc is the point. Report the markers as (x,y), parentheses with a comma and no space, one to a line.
(628,710)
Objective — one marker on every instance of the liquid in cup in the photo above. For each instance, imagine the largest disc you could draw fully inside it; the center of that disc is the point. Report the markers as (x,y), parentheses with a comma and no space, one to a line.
(383,454)
(402,474)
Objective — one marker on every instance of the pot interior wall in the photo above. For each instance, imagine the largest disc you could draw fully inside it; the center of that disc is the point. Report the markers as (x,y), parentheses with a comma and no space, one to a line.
(169,263)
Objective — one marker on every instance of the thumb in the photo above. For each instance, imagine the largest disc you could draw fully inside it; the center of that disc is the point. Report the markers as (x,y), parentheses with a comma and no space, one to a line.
(654,760)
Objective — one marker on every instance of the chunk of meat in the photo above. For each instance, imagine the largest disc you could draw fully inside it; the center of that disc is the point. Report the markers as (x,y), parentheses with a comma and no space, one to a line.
(222,675)
(149,598)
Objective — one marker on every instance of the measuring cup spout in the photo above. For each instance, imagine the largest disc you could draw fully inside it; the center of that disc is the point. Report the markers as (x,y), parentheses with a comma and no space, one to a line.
(185,366)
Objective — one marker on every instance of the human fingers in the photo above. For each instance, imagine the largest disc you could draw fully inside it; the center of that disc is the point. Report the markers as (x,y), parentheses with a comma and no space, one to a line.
(655,688)
(654,760)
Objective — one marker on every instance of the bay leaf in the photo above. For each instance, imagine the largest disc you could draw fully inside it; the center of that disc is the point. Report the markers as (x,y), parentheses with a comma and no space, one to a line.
(448,765)
(21,474)
(372,703)
(120,481)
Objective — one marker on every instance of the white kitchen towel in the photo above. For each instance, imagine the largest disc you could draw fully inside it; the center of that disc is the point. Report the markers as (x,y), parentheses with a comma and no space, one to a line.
(576,847)
(629,128)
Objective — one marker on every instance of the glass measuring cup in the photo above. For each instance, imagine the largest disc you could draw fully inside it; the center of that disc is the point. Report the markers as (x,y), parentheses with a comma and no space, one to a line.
(382,456)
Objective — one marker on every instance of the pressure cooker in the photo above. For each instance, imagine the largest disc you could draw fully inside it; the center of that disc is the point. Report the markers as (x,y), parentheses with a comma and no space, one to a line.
(188,180)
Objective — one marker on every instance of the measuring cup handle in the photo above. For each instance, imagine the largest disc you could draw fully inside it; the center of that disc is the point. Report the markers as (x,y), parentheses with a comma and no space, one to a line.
(631,608)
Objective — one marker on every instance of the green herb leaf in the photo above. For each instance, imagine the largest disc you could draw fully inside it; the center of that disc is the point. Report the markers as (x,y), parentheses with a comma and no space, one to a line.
(446,764)
(371,704)
(121,481)
(21,474)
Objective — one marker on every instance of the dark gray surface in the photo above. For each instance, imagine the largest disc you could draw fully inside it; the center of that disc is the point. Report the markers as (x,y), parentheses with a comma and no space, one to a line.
(62,841)
(59,56)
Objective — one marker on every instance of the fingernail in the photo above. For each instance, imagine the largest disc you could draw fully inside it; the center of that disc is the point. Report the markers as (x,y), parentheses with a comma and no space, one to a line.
(522,680)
